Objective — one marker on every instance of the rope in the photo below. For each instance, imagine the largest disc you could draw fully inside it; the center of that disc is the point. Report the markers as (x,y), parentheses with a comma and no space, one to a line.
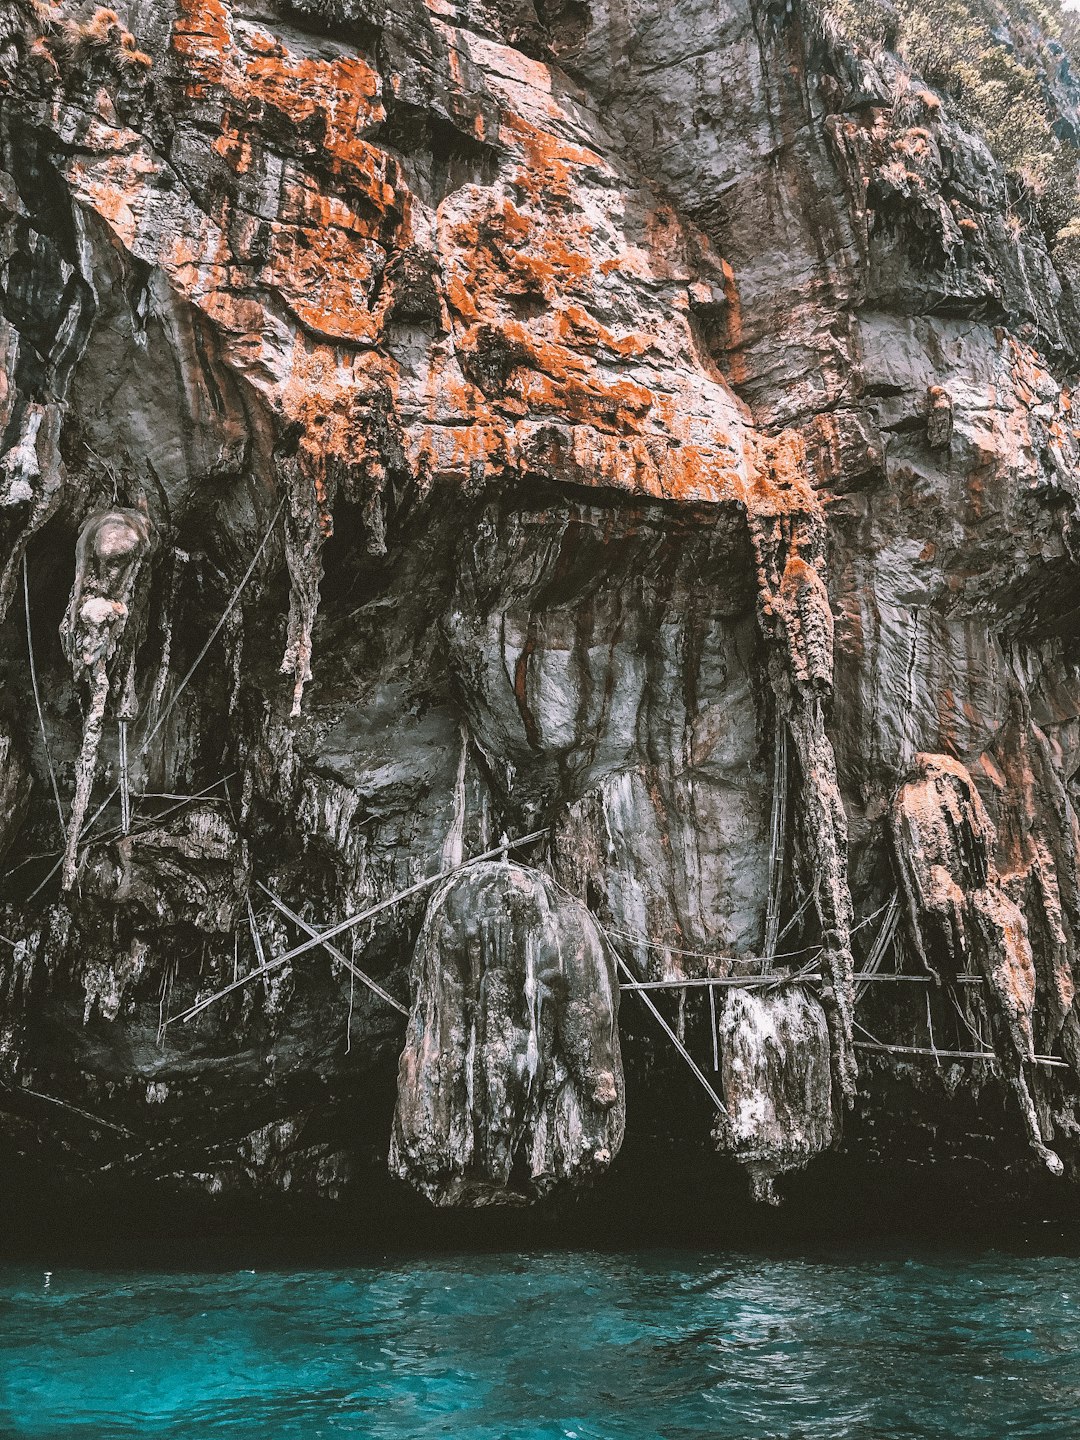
(229,608)
(777,833)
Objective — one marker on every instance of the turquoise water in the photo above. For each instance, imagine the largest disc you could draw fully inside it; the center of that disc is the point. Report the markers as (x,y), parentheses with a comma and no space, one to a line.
(579,1345)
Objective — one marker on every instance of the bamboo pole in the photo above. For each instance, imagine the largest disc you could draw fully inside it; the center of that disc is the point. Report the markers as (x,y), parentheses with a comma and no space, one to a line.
(333,951)
(757,982)
(321,937)
(125,779)
(1050,1061)
(712,1026)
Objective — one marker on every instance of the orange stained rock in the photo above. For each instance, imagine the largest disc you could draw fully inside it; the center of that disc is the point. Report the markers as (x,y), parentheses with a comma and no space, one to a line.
(257,70)
(734,326)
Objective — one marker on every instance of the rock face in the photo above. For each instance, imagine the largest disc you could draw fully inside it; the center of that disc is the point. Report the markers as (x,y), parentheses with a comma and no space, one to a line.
(511,1070)
(646,426)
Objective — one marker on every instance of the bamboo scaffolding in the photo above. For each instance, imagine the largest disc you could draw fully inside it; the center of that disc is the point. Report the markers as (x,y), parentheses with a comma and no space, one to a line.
(695,1069)
(334,952)
(319,938)
(153,731)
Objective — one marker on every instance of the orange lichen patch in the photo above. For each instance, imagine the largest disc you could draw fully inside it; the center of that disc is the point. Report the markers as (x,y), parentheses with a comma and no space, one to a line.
(575,326)
(734,325)
(549,165)
(779,482)
(118,187)
(252,69)
(325,281)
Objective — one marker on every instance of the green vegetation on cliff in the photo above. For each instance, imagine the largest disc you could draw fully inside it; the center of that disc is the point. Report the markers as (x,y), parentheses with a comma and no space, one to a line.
(993,60)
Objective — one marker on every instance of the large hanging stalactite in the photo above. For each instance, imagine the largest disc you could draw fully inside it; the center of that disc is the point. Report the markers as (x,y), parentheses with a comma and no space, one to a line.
(99,640)
(788,536)
(511,1079)
(776,1083)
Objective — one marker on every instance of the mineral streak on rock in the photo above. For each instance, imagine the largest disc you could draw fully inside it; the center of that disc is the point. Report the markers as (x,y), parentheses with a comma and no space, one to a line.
(511,1079)
(636,384)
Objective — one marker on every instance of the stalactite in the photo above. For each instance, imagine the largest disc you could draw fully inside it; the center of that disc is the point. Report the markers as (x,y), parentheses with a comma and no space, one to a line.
(308,525)
(511,1080)
(99,641)
(788,536)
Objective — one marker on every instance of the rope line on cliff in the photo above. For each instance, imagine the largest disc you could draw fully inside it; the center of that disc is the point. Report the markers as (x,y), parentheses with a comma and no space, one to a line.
(319,938)
(37,698)
(229,608)
(777,836)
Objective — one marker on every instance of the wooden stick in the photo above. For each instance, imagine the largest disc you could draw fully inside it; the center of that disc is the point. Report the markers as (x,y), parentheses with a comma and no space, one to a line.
(37,700)
(372,985)
(1048,1060)
(125,780)
(321,937)
(698,1073)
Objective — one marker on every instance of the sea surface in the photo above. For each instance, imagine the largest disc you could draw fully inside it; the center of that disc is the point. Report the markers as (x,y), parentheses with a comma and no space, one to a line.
(576,1344)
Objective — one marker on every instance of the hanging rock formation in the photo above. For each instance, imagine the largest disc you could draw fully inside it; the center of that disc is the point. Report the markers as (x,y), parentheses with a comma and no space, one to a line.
(99,639)
(776,1084)
(511,1079)
(648,425)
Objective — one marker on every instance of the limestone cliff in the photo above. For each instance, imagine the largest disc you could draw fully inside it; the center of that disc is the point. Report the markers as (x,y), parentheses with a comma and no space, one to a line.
(629,443)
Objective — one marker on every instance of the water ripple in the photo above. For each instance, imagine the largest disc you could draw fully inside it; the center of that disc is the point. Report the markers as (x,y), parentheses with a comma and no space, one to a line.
(567,1346)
